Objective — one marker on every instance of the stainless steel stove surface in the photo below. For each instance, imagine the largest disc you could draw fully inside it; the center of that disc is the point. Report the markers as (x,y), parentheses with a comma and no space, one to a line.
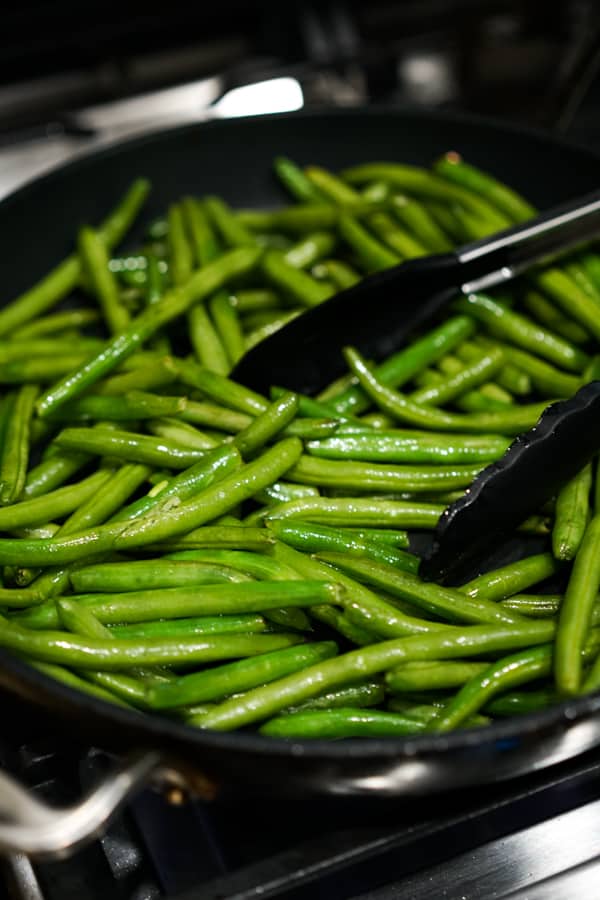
(536,838)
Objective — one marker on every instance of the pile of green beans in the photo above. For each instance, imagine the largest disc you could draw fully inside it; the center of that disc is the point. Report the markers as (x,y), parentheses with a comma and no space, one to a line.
(174,542)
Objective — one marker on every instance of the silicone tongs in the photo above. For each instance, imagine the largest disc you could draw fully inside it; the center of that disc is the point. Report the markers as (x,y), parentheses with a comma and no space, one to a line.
(381,313)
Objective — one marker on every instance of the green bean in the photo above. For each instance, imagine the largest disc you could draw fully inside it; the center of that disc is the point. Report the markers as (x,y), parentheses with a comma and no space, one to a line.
(154,279)
(300,219)
(149,574)
(53,504)
(256,299)
(511,421)
(209,503)
(130,406)
(130,446)
(510,377)
(371,252)
(232,678)
(395,236)
(218,387)
(180,433)
(203,242)
(425,184)
(358,511)
(546,313)
(310,249)
(339,621)
(15,450)
(519,703)
(59,673)
(421,223)
(572,514)
(282,491)
(363,693)
(512,578)
(180,252)
(361,606)
(544,377)
(64,277)
(312,538)
(255,564)
(349,475)
(296,182)
(340,273)
(469,377)
(227,223)
(380,535)
(190,600)
(213,416)
(266,425)
(248,623)
(568,295)
(52,472)
(301,286)
(56,323)
(157,375)
(261,703)
(441,601)
(214,465)
(13,350)
(256,335)
(174,303)
(535,605)
(453,167)
(40,369)
(399,368)
(432,676)
(235,537)
(20,597)
(94,260)
(517,329)
(308,428)
(227,324)
(104,654)
(332,724)
(507,673)
(576,610)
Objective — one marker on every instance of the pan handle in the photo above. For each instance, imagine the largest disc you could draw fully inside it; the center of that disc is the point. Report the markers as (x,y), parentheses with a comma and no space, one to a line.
(30,826)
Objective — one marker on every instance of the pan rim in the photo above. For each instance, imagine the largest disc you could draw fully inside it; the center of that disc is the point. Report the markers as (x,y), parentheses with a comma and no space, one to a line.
(38,684)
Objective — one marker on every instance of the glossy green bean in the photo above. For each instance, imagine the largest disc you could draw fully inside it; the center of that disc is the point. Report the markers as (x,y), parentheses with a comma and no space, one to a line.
(14,456)
(516,328)
(56,324)
(227,324)
(127,407)
(361,694)
(235,537)
(468,377)
(576,610)
(312,538)
(261,703)
(266,425)
(358,511)
(59,673)
(53,504)
(105,654)
(440,601)
(246,623)
(363,476)
(510,421)
(129,445)
(572,511)
(298,284)
(409,447)
(211,415)
(180,252)
(420,222)
(64,277)
(221,389)
(180,433)
(149,574)
(432,676)
(512,578)
(548,315)
(342,722)
(190,600)
(400,367)
(216,683)
(229,226)
(173,304)
(94,260)
(296,182)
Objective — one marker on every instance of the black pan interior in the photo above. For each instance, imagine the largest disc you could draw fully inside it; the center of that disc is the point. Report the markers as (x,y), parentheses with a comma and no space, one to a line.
(233,158)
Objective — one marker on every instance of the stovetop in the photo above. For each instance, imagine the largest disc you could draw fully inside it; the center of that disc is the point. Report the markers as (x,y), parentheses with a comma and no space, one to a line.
(535,838)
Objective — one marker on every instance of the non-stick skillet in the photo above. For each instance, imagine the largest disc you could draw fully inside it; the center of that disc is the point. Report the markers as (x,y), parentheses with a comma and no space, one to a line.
(233,158)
